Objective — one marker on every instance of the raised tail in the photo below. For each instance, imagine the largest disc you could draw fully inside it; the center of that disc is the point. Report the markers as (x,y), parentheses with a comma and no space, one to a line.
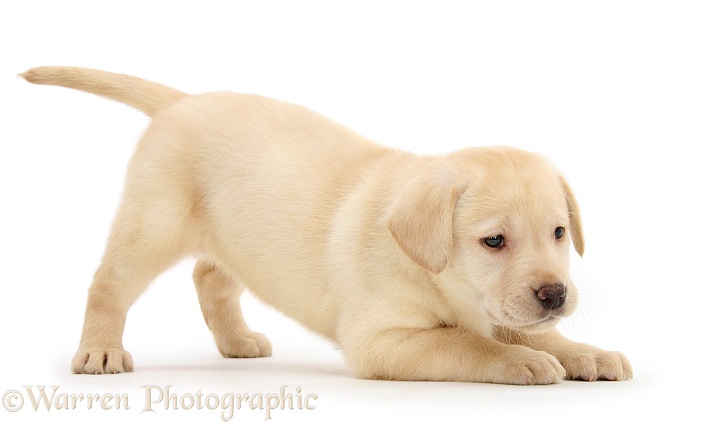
(149,97)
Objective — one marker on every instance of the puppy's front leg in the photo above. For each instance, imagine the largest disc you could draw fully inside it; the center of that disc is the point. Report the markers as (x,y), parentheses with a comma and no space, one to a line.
(581,361)
(446,354)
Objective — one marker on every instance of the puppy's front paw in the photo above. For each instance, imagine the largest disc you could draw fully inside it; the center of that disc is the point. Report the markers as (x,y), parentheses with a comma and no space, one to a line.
(249,345)
(101,361)
(525,366)
(591,363)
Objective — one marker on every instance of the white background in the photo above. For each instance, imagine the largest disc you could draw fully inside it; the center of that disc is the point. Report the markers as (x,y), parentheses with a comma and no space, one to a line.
(626,97)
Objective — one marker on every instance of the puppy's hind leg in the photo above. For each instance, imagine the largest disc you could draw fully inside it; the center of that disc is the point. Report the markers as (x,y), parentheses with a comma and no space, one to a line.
(219,297)
(145,240)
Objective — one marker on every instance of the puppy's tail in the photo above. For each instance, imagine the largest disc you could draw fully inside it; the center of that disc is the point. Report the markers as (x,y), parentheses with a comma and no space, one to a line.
(149,97)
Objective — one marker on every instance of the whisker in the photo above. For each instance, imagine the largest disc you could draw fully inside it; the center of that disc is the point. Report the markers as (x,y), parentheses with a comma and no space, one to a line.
(590,303)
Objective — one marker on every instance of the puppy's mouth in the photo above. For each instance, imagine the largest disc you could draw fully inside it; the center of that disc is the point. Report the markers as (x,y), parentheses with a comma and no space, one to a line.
(546,321)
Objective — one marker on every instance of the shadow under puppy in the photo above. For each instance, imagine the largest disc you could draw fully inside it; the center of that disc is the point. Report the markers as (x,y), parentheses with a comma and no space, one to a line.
(451,268)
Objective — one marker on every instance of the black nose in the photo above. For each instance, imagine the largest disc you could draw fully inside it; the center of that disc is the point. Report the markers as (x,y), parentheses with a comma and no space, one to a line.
(552,296)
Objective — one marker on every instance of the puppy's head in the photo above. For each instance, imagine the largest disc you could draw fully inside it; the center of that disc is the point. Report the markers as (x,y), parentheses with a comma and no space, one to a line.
(494,225)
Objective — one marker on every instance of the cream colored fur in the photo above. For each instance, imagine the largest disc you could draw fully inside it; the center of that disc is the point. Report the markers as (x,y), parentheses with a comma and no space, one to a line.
(378,250)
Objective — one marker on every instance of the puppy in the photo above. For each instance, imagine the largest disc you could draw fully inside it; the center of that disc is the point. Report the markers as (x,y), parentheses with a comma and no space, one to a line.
(448,268)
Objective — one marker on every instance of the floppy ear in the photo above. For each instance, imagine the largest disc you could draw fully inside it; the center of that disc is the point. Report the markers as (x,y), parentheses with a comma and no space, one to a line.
(574,214)
(420,218)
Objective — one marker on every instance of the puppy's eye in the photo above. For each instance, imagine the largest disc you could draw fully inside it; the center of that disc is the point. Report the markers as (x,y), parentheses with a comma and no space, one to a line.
(494,242)
(559,232)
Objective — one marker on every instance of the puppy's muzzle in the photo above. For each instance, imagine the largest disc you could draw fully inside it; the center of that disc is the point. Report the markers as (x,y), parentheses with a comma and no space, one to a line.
(552,296)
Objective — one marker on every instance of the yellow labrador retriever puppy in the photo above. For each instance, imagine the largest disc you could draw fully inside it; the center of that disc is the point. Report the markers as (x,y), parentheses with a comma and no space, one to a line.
(419,267)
